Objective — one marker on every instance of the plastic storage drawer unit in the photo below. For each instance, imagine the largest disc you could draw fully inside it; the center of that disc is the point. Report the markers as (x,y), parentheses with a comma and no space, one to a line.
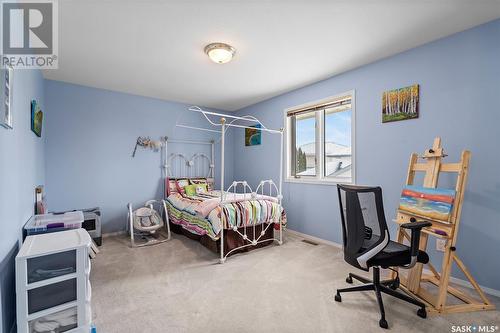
(52,283)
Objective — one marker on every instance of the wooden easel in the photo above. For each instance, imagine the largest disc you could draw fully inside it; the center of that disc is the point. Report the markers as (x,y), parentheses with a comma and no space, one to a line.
(447,230)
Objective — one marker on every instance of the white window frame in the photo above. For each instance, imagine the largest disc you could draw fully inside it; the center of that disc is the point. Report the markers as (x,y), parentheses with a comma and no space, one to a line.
(319,178)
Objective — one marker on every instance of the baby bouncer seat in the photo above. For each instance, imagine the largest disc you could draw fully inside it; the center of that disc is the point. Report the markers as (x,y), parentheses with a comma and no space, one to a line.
(147,225)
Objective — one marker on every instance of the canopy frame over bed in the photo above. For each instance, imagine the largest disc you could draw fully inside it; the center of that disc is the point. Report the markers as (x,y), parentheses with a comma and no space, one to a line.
(225,197)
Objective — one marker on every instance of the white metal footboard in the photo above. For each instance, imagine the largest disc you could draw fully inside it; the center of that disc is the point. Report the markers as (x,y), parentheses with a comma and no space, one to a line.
(249,232)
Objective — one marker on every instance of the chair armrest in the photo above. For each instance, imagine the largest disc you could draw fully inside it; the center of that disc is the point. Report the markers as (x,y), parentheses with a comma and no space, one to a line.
(415,227)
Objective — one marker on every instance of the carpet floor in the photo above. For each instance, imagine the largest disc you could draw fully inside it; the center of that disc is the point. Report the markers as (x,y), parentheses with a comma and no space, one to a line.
(178,286)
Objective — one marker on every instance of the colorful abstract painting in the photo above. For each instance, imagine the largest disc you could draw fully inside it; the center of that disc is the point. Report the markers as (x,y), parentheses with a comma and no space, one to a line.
(433,203)
(253,136)
(400,104)
(36,118)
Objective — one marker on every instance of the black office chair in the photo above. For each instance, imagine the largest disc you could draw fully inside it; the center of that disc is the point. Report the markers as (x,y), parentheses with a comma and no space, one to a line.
(367,244)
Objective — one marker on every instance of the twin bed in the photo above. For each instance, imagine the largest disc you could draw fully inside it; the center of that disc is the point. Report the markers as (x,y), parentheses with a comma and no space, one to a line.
(227,221)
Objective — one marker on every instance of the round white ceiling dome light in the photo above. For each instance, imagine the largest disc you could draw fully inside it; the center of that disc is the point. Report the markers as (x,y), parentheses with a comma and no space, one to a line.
(220,53)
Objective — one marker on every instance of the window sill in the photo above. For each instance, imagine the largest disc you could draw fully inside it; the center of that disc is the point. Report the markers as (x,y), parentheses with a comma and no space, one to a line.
(332,182)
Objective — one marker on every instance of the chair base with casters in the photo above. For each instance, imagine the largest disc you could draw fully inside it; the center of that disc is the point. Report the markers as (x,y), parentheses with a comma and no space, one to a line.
(146,226)
(388,287)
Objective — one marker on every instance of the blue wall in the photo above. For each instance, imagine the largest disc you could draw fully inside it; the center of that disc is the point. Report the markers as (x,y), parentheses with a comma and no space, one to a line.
(91,135)
(459,78)
(21,169)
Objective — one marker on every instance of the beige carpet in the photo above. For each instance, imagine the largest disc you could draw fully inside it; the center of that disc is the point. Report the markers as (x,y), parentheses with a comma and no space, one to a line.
(178,286)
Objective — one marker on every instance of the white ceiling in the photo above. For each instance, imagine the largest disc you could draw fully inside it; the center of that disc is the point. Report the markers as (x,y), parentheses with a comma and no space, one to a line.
(155,48)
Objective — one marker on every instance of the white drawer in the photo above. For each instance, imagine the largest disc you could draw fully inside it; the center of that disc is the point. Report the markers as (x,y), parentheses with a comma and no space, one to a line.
(61,321)
(50,266)
(51,295)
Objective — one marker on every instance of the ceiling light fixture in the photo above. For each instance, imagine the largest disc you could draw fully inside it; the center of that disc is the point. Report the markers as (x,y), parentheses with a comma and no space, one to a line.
(220,52)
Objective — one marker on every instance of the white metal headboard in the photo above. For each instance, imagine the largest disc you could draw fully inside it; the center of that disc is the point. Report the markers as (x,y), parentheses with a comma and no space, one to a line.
(179,165)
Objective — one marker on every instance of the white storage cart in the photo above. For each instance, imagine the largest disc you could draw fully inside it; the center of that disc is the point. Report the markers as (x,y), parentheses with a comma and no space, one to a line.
(52,283)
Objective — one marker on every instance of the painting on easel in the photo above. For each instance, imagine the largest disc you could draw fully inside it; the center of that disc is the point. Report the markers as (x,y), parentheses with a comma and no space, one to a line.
(400,104)
(431,203)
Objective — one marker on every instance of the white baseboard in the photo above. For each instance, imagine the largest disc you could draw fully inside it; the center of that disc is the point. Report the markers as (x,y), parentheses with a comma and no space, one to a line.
(115,233)
(460,282)
(314,239)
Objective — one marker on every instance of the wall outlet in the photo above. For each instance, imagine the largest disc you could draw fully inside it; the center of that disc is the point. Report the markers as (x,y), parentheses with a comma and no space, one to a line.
(440,244)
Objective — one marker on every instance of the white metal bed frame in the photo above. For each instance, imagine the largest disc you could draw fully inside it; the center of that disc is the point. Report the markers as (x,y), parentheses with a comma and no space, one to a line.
(270,185)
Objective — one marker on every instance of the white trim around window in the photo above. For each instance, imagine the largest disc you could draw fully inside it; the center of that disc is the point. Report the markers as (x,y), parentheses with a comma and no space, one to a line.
(319,178)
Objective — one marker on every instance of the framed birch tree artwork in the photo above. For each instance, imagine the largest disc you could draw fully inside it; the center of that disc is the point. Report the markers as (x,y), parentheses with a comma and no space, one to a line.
(400,104)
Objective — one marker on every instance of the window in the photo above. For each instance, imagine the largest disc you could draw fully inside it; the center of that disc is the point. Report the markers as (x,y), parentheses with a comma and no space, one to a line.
(320,141)
(305,144)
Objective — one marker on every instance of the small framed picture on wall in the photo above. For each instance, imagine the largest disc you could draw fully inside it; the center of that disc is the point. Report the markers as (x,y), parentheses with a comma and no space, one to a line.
(253,136)
(7,74)
(36,118)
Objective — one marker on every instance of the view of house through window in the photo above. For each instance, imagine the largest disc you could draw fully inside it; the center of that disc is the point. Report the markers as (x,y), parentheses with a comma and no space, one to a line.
(320,141)
(337,154)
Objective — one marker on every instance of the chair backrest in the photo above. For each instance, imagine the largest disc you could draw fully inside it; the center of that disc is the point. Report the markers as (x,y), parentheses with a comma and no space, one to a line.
(364,228)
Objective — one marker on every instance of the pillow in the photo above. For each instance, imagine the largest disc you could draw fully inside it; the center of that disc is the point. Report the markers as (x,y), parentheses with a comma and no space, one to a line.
(201,188)
(170,186)
(180,184)
(197,181)
(208,181)
(210,184)
(193,189)
(433,203)
(190,190)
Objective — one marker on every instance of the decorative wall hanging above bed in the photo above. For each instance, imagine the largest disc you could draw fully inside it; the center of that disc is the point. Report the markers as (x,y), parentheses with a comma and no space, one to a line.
(146,142)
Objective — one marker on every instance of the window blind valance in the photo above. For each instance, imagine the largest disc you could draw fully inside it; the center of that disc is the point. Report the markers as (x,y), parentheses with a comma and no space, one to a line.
(343,102)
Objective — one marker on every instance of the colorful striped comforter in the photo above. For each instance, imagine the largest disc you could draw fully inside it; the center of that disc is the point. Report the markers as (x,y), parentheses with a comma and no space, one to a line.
(190,212)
